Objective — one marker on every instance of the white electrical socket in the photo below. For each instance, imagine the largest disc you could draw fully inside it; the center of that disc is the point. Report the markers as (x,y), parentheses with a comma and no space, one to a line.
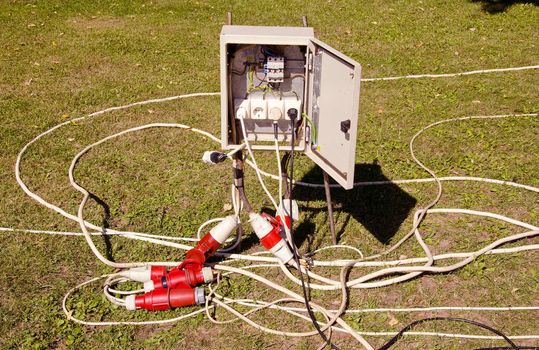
(242,108)
(275,107)
(259,106)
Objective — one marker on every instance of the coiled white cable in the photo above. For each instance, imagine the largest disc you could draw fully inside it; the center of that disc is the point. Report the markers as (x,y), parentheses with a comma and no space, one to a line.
(164,240)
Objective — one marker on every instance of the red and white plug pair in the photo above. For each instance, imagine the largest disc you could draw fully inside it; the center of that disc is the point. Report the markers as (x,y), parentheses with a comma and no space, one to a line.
(179,286)
(270,230)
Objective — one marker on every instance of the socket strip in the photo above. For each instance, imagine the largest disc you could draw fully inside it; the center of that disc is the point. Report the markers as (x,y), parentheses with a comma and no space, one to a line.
(265,106)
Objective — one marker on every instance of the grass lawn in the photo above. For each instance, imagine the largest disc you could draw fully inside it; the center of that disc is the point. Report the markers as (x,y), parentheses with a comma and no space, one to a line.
(60,60)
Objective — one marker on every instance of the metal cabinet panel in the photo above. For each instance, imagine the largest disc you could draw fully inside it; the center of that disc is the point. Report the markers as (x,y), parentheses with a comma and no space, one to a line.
(333,92)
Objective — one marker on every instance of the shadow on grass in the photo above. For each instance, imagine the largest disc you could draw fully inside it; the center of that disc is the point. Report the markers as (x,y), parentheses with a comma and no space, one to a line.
(498,6)
(381,209)
(104,225)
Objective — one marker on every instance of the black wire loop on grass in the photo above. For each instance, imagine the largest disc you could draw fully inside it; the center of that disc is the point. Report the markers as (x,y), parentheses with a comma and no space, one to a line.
(393,340)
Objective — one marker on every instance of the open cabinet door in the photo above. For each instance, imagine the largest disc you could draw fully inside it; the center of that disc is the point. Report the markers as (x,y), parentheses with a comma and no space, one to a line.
(333,103)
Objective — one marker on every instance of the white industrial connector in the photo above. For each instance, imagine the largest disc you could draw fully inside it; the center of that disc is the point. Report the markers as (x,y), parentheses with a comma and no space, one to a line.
(130,302)
(282,251)
(223,230)
(284,207)
(208,275)
(149,286)
(138,274)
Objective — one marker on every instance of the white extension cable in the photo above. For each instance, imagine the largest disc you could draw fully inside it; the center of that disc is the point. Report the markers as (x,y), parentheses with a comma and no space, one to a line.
(389,267)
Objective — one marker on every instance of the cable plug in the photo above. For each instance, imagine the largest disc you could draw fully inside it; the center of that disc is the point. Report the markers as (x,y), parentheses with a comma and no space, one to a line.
(269,236)
(166,299)
(213,157)
(144,273)
(292,113)
(284,207)
(189,276)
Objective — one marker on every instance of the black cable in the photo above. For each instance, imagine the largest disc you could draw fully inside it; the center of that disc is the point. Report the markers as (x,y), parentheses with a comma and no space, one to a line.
(293,117)
(284,175)
(239,183)
(455,319)
(509,348)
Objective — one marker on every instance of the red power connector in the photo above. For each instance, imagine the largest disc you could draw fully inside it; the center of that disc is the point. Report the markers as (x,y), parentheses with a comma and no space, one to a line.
(268,231)
(165,299)
(209,244)
(187,277)
(166,290)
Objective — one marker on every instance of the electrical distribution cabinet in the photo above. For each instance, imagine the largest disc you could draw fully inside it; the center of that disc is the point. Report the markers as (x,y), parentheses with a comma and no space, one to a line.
(270,74)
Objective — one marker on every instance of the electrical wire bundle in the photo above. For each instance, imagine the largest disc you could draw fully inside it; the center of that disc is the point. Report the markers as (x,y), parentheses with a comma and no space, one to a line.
(389,272)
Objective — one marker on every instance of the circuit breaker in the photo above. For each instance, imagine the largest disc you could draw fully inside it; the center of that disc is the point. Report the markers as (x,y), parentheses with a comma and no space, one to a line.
(279,80)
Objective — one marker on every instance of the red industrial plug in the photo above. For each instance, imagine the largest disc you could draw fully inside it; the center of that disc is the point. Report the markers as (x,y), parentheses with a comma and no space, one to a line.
(165,299)
(167,290)
(191,272)
(188,277)
(269,234)
(209,244)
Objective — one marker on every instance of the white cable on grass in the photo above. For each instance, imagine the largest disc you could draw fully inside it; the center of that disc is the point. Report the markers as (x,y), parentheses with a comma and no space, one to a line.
(247,302)
(363,283)
(410,272)
(373,263)
(59,210)
(293,295)
(255,303)
(84,225)
(419,215)
(279,170)
(239,316)
(408,181)
(105,233)
(337,246)
(292,311)
(447,75)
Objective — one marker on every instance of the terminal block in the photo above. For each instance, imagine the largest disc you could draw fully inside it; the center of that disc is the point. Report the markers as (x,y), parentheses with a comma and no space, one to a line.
(275,69)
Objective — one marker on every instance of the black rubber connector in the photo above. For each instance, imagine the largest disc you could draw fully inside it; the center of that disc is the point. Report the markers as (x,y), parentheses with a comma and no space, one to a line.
(292,113)
(217,157)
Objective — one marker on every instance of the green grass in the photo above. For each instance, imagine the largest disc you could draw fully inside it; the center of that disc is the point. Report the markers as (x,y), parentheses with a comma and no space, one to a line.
(61,60)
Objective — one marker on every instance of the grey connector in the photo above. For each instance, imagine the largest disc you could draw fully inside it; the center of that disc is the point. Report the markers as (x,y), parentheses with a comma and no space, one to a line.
(213,157)
(200,296)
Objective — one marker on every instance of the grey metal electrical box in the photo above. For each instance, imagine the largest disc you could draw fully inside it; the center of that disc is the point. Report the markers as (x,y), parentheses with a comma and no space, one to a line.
(273,75)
